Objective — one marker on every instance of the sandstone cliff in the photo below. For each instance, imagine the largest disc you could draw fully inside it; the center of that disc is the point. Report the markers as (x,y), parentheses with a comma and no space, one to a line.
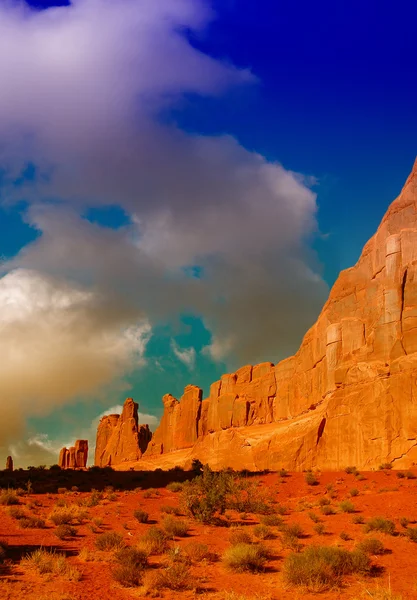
(120,438)
(348,396)
(75,457)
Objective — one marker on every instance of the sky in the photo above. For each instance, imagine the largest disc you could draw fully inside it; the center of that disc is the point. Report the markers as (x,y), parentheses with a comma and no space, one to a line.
(181,182)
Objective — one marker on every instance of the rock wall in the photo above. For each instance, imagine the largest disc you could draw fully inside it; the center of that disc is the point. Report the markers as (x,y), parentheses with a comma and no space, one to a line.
(348,396)
(75,457)
(121,438)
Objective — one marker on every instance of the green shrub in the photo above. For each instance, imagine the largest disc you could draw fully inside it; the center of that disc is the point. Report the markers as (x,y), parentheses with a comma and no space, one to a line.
(371,546)
(320,568)
(380,524)
(347,506)
(311,479)
(174,486)
(110,540)
(238,535)
(244,557)
(141,516)
(175,527)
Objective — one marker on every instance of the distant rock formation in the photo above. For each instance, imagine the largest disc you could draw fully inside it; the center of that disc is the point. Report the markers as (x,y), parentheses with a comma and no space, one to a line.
(74,457)
(9,463)
(348,396)
(120,438)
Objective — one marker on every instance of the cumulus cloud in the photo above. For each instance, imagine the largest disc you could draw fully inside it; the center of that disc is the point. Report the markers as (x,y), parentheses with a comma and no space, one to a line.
(86,95)
(185,355)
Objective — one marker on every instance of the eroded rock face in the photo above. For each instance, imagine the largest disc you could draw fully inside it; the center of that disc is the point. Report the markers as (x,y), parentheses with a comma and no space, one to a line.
(74,457)
(348,396)
(120,438)
(9,463)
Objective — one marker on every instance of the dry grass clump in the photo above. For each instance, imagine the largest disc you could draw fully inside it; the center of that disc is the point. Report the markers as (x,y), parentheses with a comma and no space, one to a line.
(175,527)
(31,522)
(347,506)
(65,531)
(151,493)
(155,541)
(272,520)
(358,520)
(315,518)
(263,532)
(238,535)
(67,515)
(141,515)
(51,563)
(16,513)
(379,593)
(351,470)
(385,466)
(174,486)
(320,529)
(198,552)
(311,479)
(411,533)
(320,568)
(327,510)
(130,565)
(110,540)
(171,510)
(371,546)
(176,577)
(380,524)
(245,557)
(9,497)
(291,535)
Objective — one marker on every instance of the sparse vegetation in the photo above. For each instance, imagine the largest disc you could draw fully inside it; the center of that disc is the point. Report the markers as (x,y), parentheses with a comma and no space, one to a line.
(197,551)
(8,498)
(174,577)
(358,520)
(63,532)
(321,568)
(51,563)
(347,506)
(354,492)
(311,479)
(31,522)
(110,540)
(351,470)
(315,518)
(175,486)
(411,533)
(155,541)
(320,529)
(175,527)
(171,510)
(371,546)
(238,535)
(327,510)
(380,524)
(141,515)
(245,557)
(262,532)
(385,467)
(344,536)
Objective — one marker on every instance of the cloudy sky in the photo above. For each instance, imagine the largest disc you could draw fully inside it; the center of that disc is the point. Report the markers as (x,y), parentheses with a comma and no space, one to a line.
(180,183)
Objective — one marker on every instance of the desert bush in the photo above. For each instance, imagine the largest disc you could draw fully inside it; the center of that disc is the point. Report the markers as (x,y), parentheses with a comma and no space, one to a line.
(400,475)
(170,510)
(244,557)
(97,521)
(8,498)
(176,577)
(51,563)
(315,518)
(371,546)
(206,495)
(411,533)
(262,532)
(3,549)
(61,502)
(327,510)
(239,535)
(319,568)
(66,515)
(132,556)
(110,540)
(127,575)
(31,522)
(62,490)
(380,524)
(197,551)
(344,536)
(141,516)
(385,466)
(174,527)
(324,501)
(409,475)
(354,492)
(151,493)
(351,470)
(281,509)
(272,520)
(177,554)
(347,506)
(17,513)
(155,541)
(310,478)
(320,529)
(63,532)
(283,473)
(404,522)
(175,486)
(358,520)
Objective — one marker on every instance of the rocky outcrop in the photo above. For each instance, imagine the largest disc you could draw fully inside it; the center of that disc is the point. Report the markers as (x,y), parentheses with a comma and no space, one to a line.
(75,457)
(9,463)
(120,438)
(348,396)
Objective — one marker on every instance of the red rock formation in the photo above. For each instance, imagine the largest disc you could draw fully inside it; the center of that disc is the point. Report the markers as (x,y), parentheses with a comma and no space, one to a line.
(9,463)
(348,396)
(74,457)
(120,439)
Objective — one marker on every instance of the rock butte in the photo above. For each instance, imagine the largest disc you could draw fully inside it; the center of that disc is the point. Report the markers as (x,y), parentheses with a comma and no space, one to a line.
(347,397)
(74,457)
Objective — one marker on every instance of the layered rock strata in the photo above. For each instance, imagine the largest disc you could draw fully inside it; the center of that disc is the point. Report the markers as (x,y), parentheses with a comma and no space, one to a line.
(120,438)
(347,397)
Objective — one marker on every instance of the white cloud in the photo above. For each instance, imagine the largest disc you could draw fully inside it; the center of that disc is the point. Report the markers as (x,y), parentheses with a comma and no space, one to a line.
(186,355)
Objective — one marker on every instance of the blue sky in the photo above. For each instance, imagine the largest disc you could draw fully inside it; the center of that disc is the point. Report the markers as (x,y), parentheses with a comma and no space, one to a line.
(327,90)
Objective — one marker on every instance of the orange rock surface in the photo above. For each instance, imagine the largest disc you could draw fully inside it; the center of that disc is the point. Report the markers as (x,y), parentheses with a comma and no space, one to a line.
(348,396)
(74,457)
(120,438)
